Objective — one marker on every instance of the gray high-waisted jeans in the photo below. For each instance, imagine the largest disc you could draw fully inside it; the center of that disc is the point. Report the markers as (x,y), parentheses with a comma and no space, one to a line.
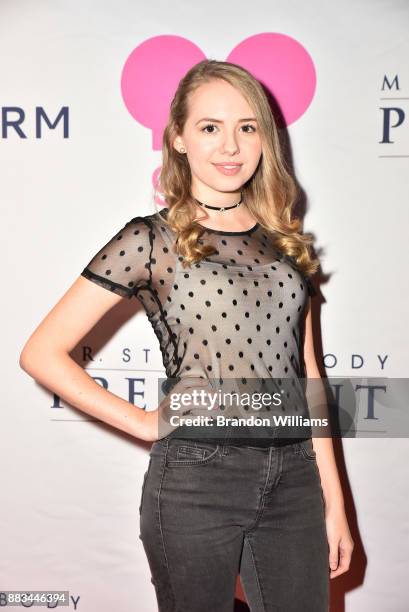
(209,512)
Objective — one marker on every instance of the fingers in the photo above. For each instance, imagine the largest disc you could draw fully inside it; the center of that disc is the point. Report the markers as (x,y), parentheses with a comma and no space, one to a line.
(340,558)
(190,397)
(333,554)
(195,396)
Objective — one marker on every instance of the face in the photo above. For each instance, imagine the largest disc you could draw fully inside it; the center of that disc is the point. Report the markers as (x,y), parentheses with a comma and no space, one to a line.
(220,129)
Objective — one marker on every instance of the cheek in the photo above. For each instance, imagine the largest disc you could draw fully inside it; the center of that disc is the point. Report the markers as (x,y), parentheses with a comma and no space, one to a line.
(253,147)
(199,161)
(253,152)
(204,148)
(201,152)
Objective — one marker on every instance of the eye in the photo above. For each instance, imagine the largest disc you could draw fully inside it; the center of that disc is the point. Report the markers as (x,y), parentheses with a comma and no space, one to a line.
(212,125)
(250,126)
(208,125)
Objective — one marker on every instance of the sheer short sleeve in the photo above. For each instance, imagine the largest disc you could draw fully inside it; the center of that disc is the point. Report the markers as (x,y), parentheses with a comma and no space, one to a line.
(122,265)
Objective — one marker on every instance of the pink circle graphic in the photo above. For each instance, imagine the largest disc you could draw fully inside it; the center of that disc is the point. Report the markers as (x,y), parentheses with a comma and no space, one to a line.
(283,66)
(150,78)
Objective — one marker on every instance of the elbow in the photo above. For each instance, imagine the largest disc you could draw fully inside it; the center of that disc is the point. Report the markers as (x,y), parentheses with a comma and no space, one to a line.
(38,358)
(30,357)
(25,360)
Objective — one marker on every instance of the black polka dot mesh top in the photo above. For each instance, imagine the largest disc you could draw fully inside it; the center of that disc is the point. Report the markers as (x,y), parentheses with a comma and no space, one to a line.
(237,313)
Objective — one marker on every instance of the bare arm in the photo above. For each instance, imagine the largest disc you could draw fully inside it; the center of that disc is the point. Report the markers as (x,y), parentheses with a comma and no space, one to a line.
(322,445)
(339,537)
(46,358)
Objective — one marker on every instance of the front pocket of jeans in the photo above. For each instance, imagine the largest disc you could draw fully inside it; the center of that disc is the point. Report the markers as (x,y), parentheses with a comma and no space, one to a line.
(307,451)
(185,455)
(190,452)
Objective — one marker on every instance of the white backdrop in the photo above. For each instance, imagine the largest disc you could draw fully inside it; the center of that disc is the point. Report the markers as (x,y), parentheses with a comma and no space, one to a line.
(70,487)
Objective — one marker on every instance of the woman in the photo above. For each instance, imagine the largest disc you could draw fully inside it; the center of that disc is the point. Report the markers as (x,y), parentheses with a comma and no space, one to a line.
(223,274)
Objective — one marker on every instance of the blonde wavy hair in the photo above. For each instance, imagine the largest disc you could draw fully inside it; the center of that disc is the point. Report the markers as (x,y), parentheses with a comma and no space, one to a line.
(270,194)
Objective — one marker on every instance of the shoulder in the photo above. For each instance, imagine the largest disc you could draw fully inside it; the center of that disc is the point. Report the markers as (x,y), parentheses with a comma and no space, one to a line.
(142,226)
(160,230)
(145,232)
(158,218)
(150,220)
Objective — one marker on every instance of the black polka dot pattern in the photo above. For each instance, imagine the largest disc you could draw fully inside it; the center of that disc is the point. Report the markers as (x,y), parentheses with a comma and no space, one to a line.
(237,313)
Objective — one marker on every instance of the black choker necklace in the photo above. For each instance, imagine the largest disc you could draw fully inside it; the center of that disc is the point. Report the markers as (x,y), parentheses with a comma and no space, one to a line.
(220,208)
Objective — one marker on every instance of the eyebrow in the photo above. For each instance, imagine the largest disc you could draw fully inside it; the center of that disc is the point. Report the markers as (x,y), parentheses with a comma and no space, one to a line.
(219,121)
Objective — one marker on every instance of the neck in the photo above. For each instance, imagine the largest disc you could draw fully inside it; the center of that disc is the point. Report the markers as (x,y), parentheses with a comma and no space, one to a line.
(219,208)
(219,199)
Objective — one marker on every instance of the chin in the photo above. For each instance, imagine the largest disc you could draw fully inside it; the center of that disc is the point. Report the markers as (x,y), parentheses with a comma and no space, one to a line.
(224,184)
(230,183)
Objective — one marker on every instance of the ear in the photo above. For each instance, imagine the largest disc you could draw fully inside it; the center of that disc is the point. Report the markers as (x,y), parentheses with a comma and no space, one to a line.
(178,143)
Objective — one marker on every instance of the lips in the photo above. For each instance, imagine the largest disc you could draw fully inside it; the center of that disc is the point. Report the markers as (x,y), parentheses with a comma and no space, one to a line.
(228,169)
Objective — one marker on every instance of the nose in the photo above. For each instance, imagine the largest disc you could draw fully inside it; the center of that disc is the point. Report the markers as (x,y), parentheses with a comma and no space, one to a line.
(230,144)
